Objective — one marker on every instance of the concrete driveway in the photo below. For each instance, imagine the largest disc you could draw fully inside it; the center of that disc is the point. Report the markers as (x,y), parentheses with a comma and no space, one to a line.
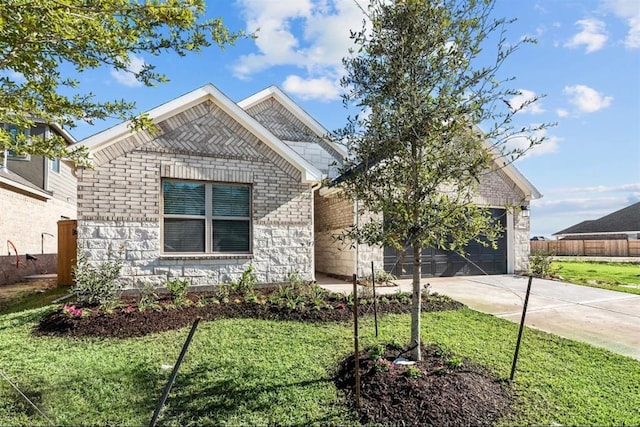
(603,318)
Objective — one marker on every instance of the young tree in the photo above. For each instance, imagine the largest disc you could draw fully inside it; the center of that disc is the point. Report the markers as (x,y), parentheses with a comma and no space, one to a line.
(417,154)
(38,39)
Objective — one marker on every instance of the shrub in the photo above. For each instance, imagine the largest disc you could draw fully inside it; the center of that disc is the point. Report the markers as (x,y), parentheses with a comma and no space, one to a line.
(178,289)
(148,297)
(247,281)
(413,372)
(98,283)
(540,264)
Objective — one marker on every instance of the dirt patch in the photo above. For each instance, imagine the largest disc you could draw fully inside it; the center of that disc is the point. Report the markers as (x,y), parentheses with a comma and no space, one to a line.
(443,391)
(128,321)
(17,291)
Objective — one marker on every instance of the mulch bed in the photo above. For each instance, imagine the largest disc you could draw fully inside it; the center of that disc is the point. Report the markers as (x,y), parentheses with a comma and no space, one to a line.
(466,395)
(123,323)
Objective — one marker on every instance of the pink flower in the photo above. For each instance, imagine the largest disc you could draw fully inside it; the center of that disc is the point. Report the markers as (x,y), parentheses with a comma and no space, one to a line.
(72,311)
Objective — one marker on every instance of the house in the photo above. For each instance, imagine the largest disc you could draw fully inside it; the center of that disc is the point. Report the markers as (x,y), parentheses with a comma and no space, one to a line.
(623,224)
(220,185)
(35,193)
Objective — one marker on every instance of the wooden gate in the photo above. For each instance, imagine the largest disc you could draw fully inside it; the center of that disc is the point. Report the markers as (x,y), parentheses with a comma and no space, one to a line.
(67,250)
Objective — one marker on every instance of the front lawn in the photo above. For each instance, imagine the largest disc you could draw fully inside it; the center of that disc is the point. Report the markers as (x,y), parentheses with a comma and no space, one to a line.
(616,276)
(258,372)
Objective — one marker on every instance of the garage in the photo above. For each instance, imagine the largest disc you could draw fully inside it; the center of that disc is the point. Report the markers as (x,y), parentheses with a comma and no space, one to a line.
(438,263)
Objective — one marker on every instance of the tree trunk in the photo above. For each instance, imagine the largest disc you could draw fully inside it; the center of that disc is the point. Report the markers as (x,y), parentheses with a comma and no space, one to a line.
(416,303)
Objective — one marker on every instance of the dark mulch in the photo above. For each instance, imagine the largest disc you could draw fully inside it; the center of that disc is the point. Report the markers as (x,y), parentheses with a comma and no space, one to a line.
(466,395)
(123,323)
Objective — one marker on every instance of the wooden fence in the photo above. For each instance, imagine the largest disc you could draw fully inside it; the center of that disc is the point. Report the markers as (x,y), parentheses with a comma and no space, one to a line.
(606,248)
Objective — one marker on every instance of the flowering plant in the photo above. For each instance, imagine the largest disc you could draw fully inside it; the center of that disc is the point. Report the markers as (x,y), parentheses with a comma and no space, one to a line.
(72,311)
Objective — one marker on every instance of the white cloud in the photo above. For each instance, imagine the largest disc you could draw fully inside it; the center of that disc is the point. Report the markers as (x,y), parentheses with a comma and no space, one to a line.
(586,99)
(628,10)
(322,89)
(561,112)
(127,77)
(318,44)
(518,101)
(549,145)
(593,35)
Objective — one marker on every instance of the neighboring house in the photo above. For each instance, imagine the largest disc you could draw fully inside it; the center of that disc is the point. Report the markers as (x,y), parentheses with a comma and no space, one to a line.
(35,193)
(623,224)
(222,185)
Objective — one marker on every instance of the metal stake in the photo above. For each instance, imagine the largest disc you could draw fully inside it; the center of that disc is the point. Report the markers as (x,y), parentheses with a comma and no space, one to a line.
(375,299)
(356,355)
(172,378)
(524,312)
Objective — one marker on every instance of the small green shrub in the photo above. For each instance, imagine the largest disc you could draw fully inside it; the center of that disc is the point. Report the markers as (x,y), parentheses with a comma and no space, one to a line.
(540,264)
(376,352)
(382,365)
(148,297)
(98,283)
(454,362)
(295,279)
(178,289)
(247,281)
(413,371)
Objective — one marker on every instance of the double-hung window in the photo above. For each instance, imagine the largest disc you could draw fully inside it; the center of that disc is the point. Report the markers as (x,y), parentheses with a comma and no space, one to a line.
(18,136)
(203,217)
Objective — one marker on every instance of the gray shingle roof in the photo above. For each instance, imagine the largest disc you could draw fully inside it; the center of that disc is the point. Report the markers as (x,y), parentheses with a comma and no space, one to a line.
(624,220)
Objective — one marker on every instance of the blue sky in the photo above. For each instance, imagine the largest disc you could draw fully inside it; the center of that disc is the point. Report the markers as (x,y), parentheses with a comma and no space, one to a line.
(586,63)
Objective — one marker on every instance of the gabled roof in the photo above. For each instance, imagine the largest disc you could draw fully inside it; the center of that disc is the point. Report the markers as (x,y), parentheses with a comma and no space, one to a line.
(284,100)
(119,132)
(625,220)
(529,190)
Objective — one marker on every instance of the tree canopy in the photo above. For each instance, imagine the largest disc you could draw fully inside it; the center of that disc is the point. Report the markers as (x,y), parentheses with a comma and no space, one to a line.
(40,41)
(425,89)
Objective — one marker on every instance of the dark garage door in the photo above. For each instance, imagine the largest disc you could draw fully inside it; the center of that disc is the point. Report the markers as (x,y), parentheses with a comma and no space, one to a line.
(437,263)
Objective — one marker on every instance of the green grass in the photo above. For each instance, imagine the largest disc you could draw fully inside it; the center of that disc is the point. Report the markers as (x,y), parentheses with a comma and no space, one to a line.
(253,372)
(623,276)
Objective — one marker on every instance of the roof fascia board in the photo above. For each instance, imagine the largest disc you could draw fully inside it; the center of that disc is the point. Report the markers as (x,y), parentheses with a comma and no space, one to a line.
(21,187)
(112,135)
(295,109)
(530,191)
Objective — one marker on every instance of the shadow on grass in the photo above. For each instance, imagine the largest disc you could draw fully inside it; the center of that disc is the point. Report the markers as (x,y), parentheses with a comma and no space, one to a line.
(202,398)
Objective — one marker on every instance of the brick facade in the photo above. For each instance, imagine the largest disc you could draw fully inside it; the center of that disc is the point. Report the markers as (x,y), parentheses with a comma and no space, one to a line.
(334,214)
(119,200)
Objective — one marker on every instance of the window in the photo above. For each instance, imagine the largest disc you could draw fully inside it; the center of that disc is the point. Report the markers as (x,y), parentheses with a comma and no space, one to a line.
(203,217)
(55,164)
(15,132)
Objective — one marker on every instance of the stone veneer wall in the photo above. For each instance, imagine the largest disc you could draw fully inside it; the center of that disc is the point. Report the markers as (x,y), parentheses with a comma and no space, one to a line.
(119,200)
(522,246)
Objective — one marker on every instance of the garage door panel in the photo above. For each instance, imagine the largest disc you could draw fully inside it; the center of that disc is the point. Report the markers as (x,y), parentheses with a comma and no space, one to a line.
(478,259)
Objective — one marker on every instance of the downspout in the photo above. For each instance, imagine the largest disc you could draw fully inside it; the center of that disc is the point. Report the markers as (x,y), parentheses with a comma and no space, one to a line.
(4,160)
(314,187)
